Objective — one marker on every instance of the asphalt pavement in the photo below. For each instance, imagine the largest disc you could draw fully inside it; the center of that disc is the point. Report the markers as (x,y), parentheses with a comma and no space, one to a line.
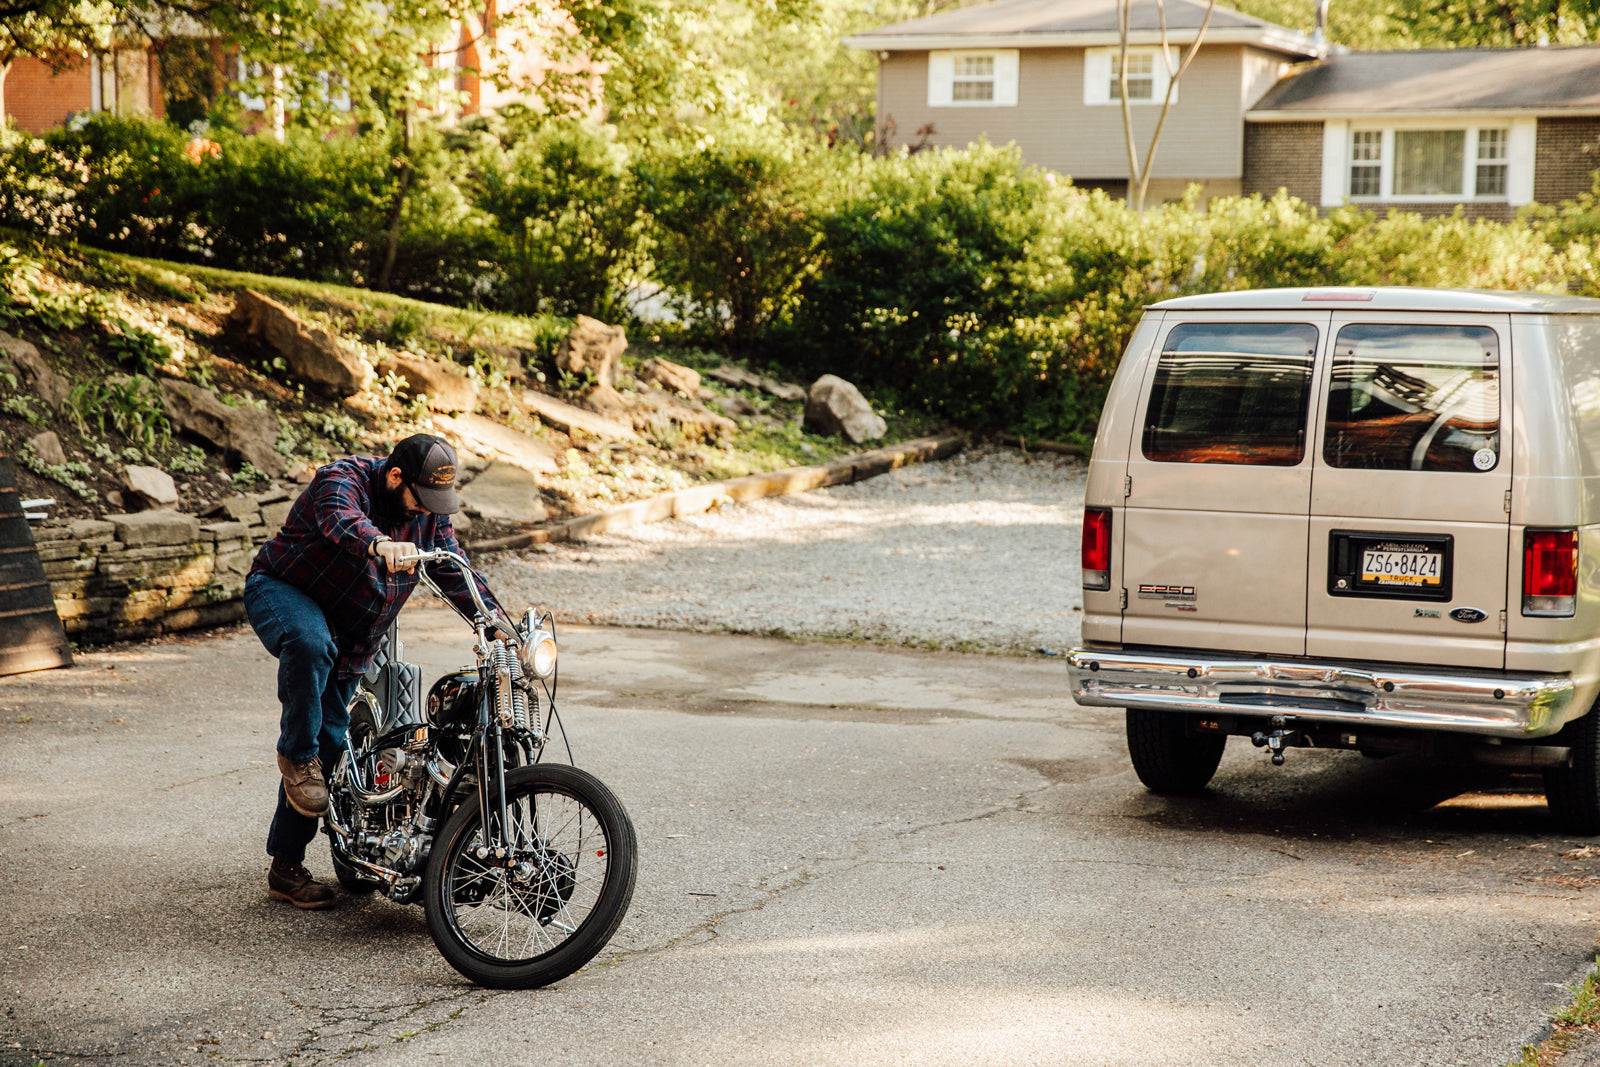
(848,855)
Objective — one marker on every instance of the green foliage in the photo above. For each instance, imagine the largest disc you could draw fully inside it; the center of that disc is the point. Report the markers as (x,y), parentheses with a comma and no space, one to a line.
(568,204)
(187,459)
(131,404)
(734,229)
(928,279)
(23,407)
(138,349)
(247,476)
(70,474)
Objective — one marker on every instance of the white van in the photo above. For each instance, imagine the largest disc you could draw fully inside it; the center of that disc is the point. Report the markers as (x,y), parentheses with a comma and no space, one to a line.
(1351,518)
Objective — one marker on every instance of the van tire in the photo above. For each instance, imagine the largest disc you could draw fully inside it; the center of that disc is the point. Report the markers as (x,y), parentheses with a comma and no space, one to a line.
(1165,757)
(1573,791)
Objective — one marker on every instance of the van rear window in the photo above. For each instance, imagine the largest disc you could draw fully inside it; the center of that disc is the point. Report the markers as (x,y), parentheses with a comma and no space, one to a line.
(1414,397)
(1231,393)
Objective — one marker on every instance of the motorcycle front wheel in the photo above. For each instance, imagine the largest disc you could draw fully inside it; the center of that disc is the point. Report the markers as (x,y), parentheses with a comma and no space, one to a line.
(545,910)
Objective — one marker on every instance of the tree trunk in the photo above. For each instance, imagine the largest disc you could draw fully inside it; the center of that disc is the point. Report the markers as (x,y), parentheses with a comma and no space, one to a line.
(406,171)
(5,121)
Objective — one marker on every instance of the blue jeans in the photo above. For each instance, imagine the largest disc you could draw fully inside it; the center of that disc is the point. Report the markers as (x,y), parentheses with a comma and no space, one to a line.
(314,698)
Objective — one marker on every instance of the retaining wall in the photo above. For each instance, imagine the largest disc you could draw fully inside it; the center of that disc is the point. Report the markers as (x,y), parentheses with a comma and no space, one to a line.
(124,577)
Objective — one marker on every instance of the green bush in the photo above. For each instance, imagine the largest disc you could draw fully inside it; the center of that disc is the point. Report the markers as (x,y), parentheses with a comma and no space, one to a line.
(566,204)
(930,282)
(733,227)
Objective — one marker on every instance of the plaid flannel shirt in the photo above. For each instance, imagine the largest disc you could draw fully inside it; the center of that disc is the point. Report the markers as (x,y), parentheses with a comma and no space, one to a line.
(322,551)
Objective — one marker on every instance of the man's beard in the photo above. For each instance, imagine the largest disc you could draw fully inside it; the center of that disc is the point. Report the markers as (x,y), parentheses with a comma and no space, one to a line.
(392,502)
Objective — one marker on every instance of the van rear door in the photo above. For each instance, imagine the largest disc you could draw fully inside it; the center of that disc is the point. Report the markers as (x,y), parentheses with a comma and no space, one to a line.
(1410,491)
(1215,524)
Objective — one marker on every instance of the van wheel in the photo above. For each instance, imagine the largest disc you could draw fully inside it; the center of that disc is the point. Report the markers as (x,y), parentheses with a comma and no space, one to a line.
(1165,758)
(1573,791)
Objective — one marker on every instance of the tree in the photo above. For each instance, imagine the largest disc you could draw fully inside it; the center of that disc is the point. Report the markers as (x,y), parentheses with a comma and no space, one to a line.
(1493,23)
(1139,174)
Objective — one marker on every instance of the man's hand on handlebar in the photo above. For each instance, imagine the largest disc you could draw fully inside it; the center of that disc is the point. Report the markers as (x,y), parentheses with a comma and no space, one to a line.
(398,556)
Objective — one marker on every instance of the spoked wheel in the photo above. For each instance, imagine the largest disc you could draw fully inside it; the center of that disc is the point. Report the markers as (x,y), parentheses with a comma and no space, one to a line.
(1165,758)
(539,914)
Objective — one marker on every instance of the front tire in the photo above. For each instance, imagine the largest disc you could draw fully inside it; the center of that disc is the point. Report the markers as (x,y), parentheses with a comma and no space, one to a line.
(575,865)
(1573,791)
(1165,758)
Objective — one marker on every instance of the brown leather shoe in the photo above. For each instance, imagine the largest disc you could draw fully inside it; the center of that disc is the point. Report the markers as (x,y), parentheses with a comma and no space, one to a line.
(303,785)
(292,882)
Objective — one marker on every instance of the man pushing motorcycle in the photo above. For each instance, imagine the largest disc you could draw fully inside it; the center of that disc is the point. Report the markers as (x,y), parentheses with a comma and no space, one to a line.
(320,596)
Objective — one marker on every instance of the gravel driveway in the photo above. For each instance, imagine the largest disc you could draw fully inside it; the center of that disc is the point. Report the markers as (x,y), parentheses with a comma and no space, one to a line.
(979,551)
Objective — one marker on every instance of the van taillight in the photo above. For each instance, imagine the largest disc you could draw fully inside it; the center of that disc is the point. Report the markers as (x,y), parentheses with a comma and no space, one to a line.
(1549,572)
(1097,548)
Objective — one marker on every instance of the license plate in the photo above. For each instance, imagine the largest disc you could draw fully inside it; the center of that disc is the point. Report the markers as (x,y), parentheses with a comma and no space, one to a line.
(1401,568)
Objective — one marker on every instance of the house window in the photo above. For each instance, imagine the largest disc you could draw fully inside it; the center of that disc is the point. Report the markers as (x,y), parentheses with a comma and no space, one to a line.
(1493,154)
(1141,76)
(1148,76)
(974,78)
(1366,163)
(1430,164)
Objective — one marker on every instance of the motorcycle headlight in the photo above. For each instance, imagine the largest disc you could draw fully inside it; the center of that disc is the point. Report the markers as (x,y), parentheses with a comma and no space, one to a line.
(539,655)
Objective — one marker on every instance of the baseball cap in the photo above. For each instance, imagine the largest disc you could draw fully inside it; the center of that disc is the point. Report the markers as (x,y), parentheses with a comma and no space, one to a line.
(428,464)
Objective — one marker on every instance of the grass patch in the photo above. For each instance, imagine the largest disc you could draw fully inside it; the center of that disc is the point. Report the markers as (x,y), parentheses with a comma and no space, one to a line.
(1569,1022)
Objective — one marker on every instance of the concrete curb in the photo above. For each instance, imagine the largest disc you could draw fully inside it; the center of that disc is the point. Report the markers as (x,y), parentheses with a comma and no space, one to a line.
(702,498)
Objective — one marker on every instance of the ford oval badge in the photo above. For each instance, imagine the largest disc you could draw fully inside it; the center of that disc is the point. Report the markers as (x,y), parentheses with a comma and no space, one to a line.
(1468,615)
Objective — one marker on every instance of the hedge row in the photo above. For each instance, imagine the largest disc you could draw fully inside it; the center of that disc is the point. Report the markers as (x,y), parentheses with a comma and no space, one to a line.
(962,281)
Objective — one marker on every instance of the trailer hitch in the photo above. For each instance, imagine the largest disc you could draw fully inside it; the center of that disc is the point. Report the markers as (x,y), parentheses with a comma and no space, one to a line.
(1280,737)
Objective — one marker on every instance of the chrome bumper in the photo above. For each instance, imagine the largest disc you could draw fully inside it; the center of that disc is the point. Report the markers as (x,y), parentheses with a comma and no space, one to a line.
(1488,703)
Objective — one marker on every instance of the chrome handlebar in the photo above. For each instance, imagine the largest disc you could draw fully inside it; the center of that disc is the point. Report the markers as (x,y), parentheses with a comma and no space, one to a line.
(431,555)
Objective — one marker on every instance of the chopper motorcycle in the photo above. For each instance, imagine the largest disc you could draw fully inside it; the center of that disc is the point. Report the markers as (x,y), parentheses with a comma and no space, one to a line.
(524,869)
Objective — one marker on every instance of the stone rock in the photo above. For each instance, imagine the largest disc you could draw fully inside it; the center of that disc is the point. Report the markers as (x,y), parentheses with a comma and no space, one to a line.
(730,375)
(654,406)
(155,528)
(505,493)
(569,417)
(314,355)
(150,485)
(447,388)
(488,438)
(670,376)
(246,430)
(48,446)
(592,346)
(834,406)
(33,371)
(738,406)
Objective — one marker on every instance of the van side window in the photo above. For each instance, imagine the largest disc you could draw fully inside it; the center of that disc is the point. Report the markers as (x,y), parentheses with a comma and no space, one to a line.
(1411,397)
(1231,393)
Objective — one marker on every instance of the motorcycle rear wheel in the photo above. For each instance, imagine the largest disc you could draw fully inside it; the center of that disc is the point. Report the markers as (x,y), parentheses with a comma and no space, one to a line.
(575,861)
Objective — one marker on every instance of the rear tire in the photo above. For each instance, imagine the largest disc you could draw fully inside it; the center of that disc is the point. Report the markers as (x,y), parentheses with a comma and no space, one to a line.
(1573,792)
(1165,758)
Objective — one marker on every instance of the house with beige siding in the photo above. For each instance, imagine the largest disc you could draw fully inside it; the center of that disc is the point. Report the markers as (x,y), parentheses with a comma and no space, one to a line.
(1045,75)
(1486,130)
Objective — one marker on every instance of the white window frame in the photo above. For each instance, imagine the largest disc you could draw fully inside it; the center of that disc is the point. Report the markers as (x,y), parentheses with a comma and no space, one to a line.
(1338,160)
(942,77)
(1098,63)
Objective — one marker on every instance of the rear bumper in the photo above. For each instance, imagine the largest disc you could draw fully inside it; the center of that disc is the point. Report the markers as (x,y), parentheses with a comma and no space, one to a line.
(1487,703)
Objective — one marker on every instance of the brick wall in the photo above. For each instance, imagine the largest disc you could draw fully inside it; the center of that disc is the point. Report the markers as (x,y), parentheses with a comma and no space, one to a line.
(1567,155)
(38,99)
(1284,155)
